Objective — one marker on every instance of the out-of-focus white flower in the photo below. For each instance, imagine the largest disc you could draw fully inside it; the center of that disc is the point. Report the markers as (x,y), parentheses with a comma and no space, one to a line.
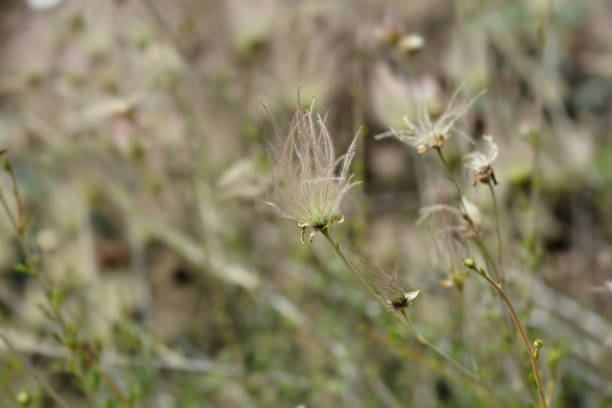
(309,180)
(424,134)
(481,163)
(394,96)
(43,4)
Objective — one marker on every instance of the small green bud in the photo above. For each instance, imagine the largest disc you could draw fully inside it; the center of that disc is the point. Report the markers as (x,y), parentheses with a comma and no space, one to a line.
(538,345)
(469,263)
(23,397)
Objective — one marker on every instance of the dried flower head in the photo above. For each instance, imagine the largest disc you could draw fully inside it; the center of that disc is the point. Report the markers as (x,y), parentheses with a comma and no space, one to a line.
(425,134)
(387,285)
(481,163)
(309,180)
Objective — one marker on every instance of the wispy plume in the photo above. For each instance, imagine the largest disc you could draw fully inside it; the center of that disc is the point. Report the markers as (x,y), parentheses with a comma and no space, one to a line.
(388,287)
(425,133)
(309,180)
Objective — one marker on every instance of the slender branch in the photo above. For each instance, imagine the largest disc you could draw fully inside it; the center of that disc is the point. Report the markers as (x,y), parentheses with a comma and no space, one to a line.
(92,361)
(33,371)
(18,202)
(336,247)
(497,228)
(486,255)
(466,332)
(532,356)
(536,176)
(8,211)
(46,286)
(452,178)
(406,321)
(436,350)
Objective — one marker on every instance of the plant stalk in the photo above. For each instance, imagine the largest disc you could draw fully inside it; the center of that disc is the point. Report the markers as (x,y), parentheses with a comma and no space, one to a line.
(534,361)
(405,321)
(18,227)
(497,228)
(32,370)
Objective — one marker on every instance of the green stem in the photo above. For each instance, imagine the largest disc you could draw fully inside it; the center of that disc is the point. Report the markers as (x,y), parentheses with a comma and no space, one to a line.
(46,287)
(436,350)
(8,212)
(497,228)
(534,361)
(536,170)
(487,256)
(452,178)
(405,321)
(471,376)
(336,247)
(32,370)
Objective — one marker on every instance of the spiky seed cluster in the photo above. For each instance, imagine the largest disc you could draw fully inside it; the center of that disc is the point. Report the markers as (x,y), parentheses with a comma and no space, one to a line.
(387,285)
(309,180)
(481,163)
(425,134)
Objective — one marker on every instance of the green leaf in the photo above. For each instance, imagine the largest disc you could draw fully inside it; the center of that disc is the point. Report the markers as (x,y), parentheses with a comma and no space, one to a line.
(93,379)
(57,298)
(24,268)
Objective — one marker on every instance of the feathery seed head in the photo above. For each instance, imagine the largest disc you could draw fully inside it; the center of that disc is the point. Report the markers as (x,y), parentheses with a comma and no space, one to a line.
(387,285)
(425,133)
(481,163)
(309,180)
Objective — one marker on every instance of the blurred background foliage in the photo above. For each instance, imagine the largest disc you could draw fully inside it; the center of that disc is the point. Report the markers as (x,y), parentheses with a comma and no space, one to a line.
(137,139)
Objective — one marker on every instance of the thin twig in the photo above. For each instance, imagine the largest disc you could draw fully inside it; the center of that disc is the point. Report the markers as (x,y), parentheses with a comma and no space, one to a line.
(33,371)
(436,350)
(536,176)
(534,361)
(452,178)
(8,211)
(498,230)
(406,321)
(18,202)
(46,287)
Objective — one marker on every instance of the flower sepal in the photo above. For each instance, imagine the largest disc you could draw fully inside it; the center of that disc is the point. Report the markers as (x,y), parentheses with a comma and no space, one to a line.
(305,227)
